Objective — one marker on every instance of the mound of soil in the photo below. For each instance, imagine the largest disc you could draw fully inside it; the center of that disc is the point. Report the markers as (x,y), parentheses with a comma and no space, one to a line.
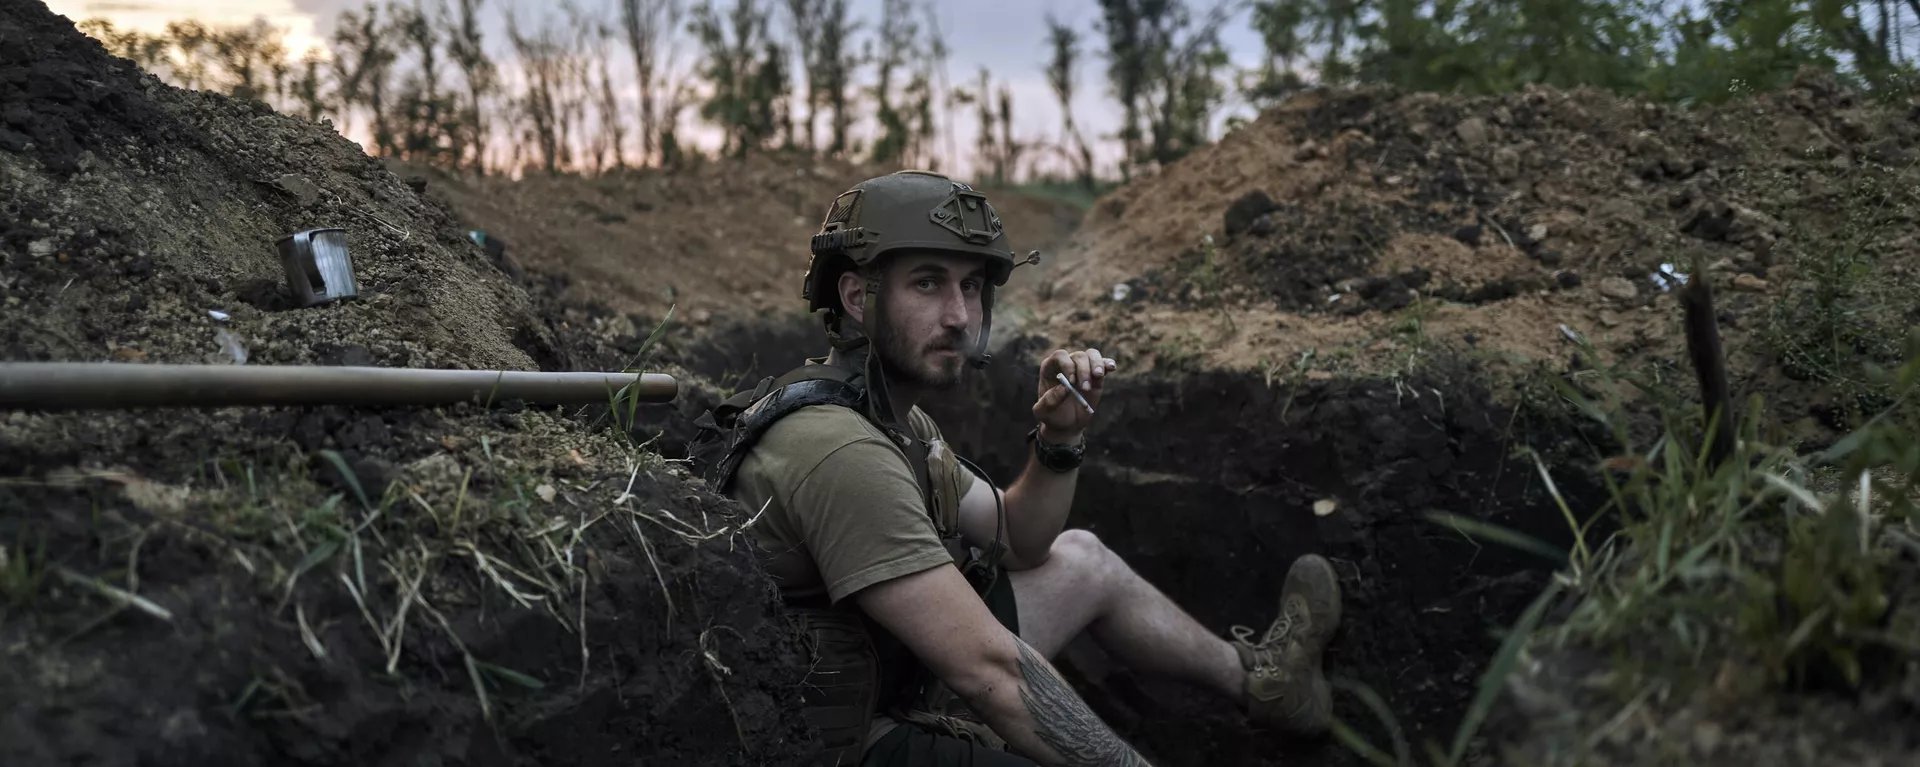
(1375,233)
(1370,221)
(131,209)
(718,240)
(326,585)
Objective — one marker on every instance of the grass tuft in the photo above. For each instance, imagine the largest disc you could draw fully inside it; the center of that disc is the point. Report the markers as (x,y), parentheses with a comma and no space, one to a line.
(1774,571)
(22,571)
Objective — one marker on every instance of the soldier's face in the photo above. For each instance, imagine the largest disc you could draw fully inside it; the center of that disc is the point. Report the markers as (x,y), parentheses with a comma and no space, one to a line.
(930,318)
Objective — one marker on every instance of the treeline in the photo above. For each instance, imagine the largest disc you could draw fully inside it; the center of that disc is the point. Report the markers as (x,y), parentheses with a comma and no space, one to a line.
(575,89)
(1689,51)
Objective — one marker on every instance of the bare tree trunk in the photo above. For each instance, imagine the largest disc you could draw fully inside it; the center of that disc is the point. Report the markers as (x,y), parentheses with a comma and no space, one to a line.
(836,35)
(610,122)
(649,26)
(540,61)
(467,50)
(804,17)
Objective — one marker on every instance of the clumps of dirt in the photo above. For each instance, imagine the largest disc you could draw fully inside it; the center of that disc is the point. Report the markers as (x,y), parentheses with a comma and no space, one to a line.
(1211,482)
(1572,179)
(157,206)
(488,584)
(1563,708)
(56,106)
(1517,226)
(716,240)
(1364,239)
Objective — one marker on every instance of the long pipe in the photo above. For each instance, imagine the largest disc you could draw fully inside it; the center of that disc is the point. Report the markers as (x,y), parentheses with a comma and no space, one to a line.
(108,385)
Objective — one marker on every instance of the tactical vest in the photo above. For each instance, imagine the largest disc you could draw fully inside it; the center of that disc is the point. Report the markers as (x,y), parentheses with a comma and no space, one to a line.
(856,668)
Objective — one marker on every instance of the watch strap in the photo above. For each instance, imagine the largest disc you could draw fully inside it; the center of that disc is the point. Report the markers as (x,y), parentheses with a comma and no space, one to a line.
(1059,458)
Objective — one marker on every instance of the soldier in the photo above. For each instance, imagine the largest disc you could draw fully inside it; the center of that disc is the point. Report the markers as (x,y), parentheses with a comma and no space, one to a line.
(930,598)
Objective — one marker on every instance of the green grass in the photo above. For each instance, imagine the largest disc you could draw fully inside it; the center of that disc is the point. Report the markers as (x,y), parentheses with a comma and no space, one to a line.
(23,568)
(623,405)
(431,541)
(1780,564)
(1846,305)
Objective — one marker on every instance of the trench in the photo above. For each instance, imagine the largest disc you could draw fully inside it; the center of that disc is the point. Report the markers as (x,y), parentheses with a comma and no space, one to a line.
(1205,483)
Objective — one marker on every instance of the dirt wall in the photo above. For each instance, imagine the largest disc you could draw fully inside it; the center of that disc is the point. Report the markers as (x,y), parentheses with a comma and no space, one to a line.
(1206,483)
(500,585)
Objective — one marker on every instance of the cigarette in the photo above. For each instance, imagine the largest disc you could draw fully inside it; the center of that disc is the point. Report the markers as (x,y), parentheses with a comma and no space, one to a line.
(1073,391)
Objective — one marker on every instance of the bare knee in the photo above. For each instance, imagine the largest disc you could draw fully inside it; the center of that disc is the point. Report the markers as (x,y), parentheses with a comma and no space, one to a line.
(1082,553)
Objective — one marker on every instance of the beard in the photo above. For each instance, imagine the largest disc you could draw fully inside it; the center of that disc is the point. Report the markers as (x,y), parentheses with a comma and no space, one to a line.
(907,364)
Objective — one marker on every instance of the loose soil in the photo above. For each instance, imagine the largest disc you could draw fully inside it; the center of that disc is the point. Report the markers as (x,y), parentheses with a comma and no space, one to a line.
(470,585)
(1390,282)
(1388,278)
(1375,234)
(716,239)
(1356,224)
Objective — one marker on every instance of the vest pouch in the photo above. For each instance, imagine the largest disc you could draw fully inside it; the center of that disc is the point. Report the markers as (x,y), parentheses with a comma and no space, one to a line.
(955,725)
(943,478)
(842,684)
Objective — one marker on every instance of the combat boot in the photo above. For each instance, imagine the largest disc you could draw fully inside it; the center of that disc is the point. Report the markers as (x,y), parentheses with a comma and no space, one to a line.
(1285,688)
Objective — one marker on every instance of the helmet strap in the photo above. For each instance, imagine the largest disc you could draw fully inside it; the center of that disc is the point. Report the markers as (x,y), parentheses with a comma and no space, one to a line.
(980,355)
(879,397)
(837,337)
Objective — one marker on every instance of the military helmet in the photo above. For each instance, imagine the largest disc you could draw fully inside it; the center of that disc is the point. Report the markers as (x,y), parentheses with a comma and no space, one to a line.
(906,210)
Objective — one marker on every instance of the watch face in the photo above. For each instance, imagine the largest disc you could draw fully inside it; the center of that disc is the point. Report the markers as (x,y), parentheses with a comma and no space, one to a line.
(1059,457)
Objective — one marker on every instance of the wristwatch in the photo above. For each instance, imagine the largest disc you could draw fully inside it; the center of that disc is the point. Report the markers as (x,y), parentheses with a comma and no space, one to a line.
(1060,458)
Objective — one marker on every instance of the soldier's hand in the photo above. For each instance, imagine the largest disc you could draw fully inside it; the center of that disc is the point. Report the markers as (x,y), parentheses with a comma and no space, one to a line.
(1062,418)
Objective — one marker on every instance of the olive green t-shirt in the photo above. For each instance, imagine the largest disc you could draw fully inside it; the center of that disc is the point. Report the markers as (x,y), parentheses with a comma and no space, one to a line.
(842,508)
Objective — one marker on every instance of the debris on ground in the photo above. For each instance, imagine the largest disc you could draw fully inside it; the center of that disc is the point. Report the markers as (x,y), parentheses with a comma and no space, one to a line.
(1338,320)
(1378,224)
(324,585)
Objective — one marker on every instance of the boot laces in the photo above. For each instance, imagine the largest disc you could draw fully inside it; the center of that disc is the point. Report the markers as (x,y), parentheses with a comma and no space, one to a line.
(1266,652)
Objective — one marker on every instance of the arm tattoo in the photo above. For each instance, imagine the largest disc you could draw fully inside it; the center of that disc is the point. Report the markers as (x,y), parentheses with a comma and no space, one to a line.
(1064,722)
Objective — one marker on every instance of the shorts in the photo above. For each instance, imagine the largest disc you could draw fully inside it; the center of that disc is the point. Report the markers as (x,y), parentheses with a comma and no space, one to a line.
(910,745)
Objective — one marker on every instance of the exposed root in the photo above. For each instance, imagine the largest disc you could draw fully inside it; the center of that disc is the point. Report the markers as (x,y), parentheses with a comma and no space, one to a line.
(710,654)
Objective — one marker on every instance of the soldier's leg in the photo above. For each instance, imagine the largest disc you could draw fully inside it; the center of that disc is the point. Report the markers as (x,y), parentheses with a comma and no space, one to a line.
(1084,586)
(1275,675)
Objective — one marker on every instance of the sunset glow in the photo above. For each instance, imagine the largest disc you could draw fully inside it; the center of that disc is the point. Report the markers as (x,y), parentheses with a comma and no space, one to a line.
(151,16)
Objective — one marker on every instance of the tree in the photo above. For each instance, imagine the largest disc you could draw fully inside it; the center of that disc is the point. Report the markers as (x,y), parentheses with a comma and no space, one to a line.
(838,59)
(362,60)
(1064,42)
(247,56)
(805,18)
(746,72)
(420,110)
(546,109)
(899,35)
(1164,70)
(649,25)
(1128,55)
(1279,23)
(468,52)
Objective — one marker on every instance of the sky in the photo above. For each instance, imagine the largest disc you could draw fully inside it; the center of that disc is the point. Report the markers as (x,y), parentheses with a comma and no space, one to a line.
(1007,36)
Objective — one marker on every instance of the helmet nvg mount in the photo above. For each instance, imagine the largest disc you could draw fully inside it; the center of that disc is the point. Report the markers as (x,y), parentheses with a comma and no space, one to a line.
(911,210)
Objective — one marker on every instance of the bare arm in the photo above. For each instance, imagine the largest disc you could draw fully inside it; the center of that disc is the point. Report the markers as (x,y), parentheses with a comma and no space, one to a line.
(1038,502)
(1036,511)
(1006,682)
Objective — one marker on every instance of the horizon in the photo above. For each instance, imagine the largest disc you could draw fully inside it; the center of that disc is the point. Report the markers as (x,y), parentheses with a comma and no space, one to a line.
(1007,36)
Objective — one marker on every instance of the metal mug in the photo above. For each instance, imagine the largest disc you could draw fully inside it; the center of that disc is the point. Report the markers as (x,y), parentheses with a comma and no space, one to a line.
(318,267)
